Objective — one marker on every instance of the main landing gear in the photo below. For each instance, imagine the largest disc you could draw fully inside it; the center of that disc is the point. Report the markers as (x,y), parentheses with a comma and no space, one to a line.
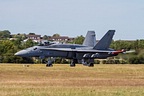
(73,63)
(50,62)
(88,62)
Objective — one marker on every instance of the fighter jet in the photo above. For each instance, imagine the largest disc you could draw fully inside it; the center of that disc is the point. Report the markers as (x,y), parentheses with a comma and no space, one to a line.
(35,51)
(86,52)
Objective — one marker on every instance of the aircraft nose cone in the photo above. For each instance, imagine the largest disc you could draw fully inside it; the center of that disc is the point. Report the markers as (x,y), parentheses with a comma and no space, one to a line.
(22,53)
(16,54)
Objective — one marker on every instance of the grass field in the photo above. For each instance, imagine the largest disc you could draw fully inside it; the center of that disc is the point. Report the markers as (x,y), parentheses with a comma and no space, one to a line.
(62,80)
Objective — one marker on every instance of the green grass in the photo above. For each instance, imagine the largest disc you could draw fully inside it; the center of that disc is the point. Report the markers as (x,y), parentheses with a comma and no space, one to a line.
(62,80)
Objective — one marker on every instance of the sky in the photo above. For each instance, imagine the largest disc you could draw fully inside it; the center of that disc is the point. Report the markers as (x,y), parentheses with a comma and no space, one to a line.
(74,17)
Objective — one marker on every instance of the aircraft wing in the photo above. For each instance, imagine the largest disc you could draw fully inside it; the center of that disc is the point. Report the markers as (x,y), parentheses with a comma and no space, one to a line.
(77,50)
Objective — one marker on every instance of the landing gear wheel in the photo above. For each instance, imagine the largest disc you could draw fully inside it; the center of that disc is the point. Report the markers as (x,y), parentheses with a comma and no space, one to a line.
(72,64)
(91,65)
(50,62)
(49,65)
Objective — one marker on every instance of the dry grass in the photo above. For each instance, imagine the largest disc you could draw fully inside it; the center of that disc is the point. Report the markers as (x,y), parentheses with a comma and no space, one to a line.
(62,80)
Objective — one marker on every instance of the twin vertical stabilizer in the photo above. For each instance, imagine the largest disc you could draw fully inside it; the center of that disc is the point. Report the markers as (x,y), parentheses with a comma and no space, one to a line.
(90,39)
(105,42)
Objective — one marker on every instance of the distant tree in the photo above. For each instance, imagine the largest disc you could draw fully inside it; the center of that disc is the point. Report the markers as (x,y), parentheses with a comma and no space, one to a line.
(56,35)
(18,44)
(45,37)
(20,36)
(31,33)
(136,45)
(7,46)
(120,44)
(79,40)
(29,43)
(123,62)
(134,60)
(5,34)
(141,44)
(1,48)
(137,60)
(141,59)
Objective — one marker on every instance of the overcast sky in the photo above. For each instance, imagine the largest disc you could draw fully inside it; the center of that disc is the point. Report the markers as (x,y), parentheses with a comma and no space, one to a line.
(74,17)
